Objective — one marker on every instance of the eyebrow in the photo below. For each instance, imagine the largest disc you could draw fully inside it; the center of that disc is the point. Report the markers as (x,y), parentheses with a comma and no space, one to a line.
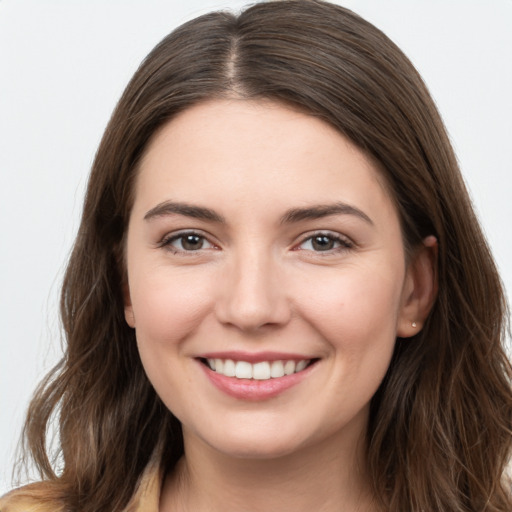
(324,210)
(185,209)
(291,216)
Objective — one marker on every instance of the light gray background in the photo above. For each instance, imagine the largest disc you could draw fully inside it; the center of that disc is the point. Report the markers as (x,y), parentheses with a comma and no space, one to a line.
(63,65)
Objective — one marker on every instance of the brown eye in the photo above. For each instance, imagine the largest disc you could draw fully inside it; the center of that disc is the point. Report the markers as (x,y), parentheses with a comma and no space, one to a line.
(187,242)
(192,242)
(322,243)
(325,242)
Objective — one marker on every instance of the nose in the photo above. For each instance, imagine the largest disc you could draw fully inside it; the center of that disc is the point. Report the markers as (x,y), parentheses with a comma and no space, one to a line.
(252,296)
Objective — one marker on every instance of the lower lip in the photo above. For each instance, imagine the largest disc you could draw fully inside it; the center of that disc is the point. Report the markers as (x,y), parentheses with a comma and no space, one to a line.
(252,389)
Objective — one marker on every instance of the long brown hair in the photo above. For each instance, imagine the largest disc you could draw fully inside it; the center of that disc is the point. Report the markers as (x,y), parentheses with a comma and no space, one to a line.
(439,434)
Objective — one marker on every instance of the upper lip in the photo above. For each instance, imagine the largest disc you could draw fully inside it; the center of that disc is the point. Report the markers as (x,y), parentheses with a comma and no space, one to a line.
(255,357)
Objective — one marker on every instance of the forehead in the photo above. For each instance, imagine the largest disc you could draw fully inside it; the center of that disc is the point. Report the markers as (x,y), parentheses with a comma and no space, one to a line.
(238,151)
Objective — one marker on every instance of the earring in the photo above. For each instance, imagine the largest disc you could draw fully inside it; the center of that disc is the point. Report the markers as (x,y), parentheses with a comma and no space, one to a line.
(414,324)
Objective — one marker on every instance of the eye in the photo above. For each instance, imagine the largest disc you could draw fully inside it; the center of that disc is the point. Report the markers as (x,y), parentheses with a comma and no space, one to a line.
(325,242)
(186,242)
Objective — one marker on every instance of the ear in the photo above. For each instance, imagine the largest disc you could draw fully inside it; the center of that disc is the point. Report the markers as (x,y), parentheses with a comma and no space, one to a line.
(420,289)
(125,288)
(128,308)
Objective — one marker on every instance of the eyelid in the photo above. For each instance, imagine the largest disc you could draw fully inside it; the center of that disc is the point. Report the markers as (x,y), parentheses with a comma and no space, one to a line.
(166,241)
(346,242)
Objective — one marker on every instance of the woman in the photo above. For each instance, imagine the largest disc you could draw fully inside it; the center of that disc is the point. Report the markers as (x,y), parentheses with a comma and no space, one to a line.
(272,301)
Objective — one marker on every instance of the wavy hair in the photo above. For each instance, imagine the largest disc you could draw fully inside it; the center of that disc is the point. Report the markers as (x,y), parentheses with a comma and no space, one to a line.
(439,435)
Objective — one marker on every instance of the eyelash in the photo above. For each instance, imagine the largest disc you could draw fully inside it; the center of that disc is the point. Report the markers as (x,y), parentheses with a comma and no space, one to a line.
(343,243)
(167,241)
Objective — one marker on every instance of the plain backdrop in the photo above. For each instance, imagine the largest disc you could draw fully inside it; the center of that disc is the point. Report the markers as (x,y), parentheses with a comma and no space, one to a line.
(64,64)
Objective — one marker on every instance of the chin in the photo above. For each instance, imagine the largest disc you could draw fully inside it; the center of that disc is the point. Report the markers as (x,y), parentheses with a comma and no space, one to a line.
(261,443)
(260,449)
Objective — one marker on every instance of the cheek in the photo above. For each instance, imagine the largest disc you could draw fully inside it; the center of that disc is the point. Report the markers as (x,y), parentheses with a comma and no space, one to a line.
(168,306)
(355,308)
(168,311)
(356,316)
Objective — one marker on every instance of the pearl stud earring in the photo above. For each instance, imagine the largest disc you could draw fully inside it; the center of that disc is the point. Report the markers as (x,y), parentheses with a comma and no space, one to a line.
(414,324)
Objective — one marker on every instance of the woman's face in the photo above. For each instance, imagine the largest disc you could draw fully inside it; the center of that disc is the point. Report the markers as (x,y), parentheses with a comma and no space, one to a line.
(266,278)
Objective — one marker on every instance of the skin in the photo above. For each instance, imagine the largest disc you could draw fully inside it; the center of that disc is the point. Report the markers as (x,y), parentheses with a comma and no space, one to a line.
(260,284)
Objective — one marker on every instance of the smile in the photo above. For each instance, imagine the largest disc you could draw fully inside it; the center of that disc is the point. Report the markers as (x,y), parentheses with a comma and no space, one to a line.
(263,370)
(263,377)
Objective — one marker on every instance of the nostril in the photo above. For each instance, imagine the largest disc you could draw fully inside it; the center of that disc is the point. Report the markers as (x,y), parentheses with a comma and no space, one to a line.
(252,297)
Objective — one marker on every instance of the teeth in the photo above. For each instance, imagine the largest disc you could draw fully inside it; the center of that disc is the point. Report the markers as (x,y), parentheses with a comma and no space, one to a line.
(300,366)
(263,370)
(289,367)
(229,368)
(277,369)
(243,370)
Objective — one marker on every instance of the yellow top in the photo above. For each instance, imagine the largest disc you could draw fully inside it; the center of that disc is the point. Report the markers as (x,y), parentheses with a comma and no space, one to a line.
(145,499)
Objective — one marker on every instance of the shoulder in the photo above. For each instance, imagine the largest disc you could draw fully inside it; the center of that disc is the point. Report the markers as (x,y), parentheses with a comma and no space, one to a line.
(50,496)
(32,498)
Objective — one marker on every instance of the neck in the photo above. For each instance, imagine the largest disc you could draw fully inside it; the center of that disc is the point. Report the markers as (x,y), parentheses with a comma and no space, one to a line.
(314,478)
